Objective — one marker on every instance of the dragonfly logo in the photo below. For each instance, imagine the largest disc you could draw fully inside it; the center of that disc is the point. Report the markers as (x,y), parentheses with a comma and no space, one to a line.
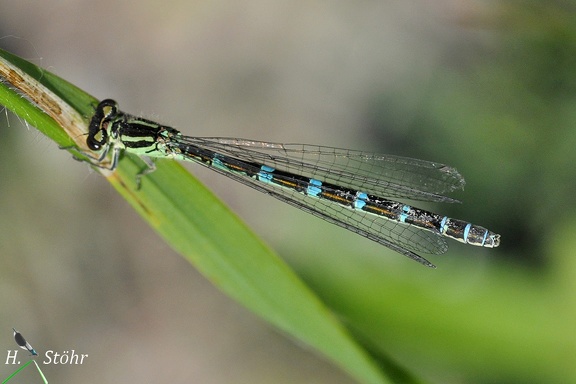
(50,357)
(21,341)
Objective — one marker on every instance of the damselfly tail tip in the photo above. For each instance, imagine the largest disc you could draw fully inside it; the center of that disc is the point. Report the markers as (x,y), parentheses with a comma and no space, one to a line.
(495,240)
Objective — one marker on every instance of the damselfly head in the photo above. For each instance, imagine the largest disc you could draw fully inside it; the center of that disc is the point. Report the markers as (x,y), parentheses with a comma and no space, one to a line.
(97,130)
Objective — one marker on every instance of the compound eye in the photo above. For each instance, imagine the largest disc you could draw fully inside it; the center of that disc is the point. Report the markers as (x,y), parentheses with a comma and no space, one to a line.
(94,146)
(96,141)
(107,108)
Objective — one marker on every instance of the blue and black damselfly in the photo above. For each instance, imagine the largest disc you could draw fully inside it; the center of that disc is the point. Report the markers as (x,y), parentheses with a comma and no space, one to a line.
(22,343)
(353,189)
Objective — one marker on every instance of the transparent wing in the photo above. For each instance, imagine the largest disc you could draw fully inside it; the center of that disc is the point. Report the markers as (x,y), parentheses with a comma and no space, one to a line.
(400,237)
(381,175)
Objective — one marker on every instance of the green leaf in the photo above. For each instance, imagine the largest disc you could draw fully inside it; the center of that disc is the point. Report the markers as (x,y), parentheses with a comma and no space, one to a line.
(200,227)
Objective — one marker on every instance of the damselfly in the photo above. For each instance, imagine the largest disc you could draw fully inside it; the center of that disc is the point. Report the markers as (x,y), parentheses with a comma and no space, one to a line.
(21,341)
(344,187)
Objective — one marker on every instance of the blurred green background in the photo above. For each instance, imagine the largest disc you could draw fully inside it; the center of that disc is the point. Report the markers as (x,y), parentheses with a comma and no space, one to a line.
(487,87)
